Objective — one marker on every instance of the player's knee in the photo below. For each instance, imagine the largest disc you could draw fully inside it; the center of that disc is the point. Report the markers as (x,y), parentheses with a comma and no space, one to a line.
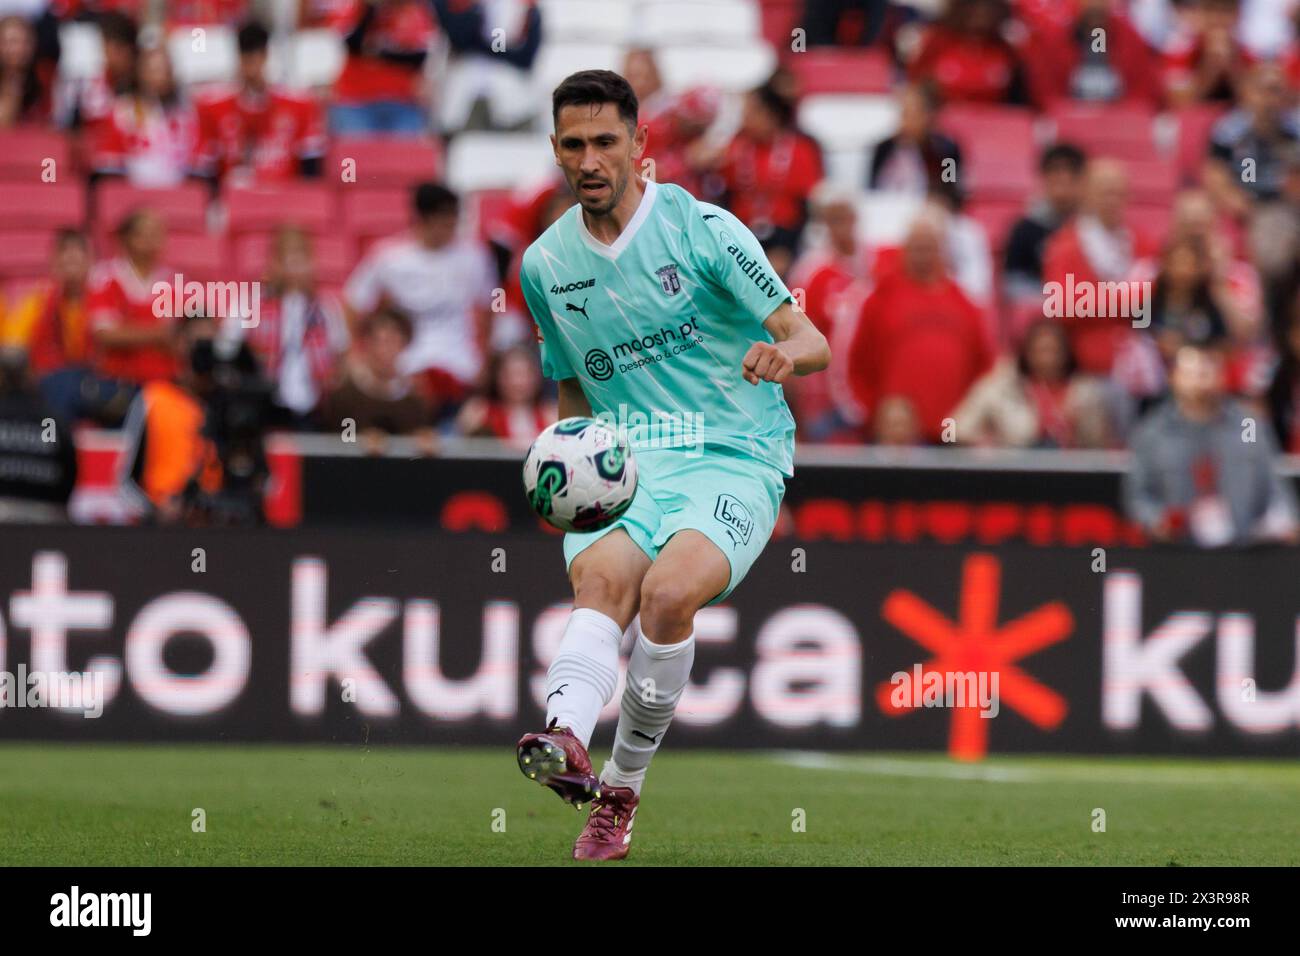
(667,609)
(598,588)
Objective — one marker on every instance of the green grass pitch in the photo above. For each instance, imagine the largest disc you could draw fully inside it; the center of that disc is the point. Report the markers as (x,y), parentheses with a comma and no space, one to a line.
(277,805)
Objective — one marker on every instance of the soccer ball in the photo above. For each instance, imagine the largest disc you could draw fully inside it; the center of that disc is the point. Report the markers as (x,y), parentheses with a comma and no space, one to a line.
(578,476)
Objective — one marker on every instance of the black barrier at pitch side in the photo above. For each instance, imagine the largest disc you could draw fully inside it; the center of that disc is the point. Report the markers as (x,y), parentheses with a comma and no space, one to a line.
(317,635)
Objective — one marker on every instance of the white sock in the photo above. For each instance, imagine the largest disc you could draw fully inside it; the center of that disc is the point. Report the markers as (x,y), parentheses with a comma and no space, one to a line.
(656,676)
(582,678)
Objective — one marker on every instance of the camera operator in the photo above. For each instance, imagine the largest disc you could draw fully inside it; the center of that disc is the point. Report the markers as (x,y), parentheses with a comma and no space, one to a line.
(38,463)
(196,442)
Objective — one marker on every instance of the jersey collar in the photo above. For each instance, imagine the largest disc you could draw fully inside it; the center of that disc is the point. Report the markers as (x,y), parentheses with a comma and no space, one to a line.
(612,250)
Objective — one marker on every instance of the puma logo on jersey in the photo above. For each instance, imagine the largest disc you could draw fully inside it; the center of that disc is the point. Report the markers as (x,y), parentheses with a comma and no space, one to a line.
(570,307)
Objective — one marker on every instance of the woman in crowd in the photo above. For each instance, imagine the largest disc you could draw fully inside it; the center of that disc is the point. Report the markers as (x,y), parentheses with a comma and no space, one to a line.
(1037,399)
(151,135)
(513,409)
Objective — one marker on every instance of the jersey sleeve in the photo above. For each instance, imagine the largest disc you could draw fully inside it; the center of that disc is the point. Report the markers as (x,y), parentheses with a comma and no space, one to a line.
(555,364)
(726,253)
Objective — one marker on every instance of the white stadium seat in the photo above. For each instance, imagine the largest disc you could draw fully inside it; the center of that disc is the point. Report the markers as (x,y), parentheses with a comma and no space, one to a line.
(478,160)
(842,121)
(718,22)
(847,167)
(728,68)
(555,61)
(82,54)
(883,218)
(308,58)
(586,21)
(203,54)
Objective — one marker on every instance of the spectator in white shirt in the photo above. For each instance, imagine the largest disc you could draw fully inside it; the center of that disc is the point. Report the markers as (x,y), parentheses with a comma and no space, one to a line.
(445,283)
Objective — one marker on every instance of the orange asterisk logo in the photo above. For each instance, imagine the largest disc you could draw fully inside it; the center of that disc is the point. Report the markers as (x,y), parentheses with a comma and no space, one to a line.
(976,643)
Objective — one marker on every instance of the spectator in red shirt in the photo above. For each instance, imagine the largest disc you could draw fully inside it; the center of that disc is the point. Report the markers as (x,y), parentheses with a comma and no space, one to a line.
(1096,56)
(381,88)
(186,13)
(24,85)
(967,55)
(824,277)
(151,134)
(301,334)
(1204,64)
(133,342)
(57,336)
(918,337)
(59,343)
(256,133)
(675,143)
(83,103)
(1098,246)
(514,408)
(770,169)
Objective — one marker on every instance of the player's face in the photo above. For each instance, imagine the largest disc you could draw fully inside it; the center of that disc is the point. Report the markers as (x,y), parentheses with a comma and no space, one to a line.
(597,151)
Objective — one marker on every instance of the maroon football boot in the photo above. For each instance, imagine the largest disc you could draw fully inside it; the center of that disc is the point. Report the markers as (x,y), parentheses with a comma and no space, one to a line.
(608,833)
(557,759)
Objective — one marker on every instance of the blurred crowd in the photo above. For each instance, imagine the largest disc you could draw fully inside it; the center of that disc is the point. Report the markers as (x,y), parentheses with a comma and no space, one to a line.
(946,334)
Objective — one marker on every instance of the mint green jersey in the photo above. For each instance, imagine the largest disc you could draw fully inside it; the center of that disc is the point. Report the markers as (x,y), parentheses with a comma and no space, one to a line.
(656,325)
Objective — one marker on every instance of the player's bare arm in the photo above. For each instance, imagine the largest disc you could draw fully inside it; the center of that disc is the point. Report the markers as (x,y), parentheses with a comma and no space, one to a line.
(799,348)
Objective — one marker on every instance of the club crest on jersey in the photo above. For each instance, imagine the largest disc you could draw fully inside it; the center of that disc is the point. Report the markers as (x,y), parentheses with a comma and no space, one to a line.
(668,279)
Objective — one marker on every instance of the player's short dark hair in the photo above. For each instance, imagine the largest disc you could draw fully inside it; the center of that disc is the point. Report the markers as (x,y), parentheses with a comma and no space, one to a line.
(434,199)
(387,315)
(116,27)
(253,37)
(594,88)
(1063,156)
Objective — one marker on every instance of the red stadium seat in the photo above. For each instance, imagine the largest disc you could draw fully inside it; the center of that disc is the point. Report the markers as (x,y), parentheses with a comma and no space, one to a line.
(1195,124)
(1152,181)
(371,213)
(25,255)
(779,18)
(487,208)
(336,256)
(183,208)
(198,257)
(1007,178)
(997,217)
(384,162)
(23,153)
(1122,130)
(989,129)
(1152,221)
(831,70)
(42,205)
(999,151)
(264,208)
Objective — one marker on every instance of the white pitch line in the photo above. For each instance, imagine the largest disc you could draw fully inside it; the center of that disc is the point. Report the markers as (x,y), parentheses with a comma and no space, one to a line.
(891,767)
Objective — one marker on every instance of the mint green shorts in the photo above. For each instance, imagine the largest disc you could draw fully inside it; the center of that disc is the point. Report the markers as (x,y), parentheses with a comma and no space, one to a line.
(730,498)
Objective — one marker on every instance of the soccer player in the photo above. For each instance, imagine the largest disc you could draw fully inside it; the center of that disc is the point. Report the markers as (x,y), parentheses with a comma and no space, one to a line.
(649,303)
